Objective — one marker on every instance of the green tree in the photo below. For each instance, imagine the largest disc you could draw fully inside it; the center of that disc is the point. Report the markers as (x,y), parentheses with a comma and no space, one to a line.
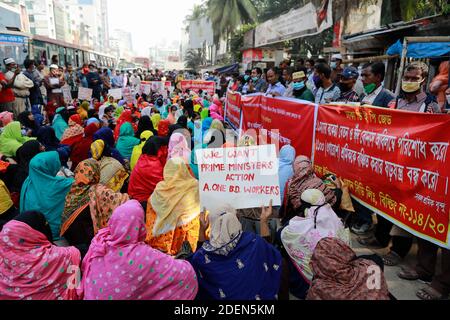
(227,15)
(198,11)
(195,58)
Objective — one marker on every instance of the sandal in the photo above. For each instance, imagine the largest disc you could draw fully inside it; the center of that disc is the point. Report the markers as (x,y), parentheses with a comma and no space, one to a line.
(391,259)
(411,274)
(430,294)
(370,242)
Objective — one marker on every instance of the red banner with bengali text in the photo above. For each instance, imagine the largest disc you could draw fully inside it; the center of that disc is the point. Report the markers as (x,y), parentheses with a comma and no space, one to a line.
(196,85)
(233,109)
(281,121)
(394,163)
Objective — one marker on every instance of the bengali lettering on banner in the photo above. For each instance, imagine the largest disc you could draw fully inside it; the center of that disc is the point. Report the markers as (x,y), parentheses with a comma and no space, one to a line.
(281,121)
(233,109)
(394,162)
(288,122)
(196,85)
(238,178)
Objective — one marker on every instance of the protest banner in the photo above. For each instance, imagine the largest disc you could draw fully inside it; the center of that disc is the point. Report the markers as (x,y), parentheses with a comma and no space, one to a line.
(145,88)
(238,178)
(115,93)
(233,110)
(196,85)
(67,94)
(280,121)
(288,122)
(84,94)
(394,163)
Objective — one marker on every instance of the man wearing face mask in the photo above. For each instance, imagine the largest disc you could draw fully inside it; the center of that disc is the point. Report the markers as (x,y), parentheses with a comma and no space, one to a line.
(257,83)
(374,93)
(336,66)
(347,84)
(298,88)
(413,96)
(327,91)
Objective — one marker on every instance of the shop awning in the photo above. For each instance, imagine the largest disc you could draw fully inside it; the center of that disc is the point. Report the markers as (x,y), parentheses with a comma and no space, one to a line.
(421,50)
(229,69)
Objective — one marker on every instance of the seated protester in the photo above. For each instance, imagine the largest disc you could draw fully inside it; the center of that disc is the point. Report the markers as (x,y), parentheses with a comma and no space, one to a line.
(24,156)
(304,178)
(148,171)
(340,275)
(125,117)
(173,210)
(347,84)
(112,173)
(172,116)
(47,137)
(156,118)
(7,209)
(43,191)
(253,264)
(286,168)
(216,110)
(83,110)
(372,77)
(300,237)
(327,91)
(88,205)
(60,122)
(80,149)
(74,133)
(29,125)
(138,271)
(127,141)
(298,89)
(32,267)
(5,119)
(106,116)
(11,139)
(145,124)
(107,135)
(204,114)
(195,128)
(215,137)
(413,96)
(137,150)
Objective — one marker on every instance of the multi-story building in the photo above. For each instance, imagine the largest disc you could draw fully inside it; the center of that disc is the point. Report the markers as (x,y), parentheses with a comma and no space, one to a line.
(121,44)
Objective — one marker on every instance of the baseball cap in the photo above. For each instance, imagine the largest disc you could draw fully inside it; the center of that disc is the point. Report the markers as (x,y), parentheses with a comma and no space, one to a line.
(9,61)
(350,73)
(337,56)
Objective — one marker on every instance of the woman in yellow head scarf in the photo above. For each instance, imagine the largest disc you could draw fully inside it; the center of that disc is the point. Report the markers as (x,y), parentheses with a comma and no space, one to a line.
(83,110)
(173,210)
(156,119)
(137,150)
(112,173)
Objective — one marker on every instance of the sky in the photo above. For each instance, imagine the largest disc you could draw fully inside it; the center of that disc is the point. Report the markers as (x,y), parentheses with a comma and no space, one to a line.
(149,21)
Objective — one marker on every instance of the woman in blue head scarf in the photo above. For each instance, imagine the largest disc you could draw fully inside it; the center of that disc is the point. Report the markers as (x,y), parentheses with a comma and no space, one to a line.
(286,167)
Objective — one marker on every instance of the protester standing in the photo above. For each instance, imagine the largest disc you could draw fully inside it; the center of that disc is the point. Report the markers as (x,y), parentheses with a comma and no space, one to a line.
(372,77)
(347,85)
(327,91)
(54,82)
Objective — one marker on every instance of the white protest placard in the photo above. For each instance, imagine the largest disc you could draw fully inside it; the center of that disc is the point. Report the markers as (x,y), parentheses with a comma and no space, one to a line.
(84,94)
(238,178)
(146,88)
(67,94)
(115,93)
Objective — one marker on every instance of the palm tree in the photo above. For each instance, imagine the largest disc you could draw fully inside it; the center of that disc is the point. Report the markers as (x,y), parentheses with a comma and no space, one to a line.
(195,58)
(198,11)
(227,15)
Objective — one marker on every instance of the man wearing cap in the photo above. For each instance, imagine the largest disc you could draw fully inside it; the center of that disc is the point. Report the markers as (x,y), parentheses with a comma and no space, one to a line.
(298,89)
(347,85)
(336,62)
(21,86)
(6,92)
(54,82)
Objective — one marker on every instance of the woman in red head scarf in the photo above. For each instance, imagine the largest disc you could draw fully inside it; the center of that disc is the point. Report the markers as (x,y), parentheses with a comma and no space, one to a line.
(126,116)
(80,149)
(75,132)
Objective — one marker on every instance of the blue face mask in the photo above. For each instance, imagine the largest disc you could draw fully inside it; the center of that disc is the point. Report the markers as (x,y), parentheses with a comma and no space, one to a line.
(246,77)
(298,85)
(255,79)
(333,65)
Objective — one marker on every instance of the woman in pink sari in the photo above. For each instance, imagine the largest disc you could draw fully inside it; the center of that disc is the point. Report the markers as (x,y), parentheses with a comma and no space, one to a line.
(31,267)
(120,266)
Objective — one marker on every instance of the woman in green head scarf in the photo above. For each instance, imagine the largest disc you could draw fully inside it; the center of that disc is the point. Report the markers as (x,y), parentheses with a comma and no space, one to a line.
(44,192)
(11,139)
(127,141)
(60,122)
(205,113)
